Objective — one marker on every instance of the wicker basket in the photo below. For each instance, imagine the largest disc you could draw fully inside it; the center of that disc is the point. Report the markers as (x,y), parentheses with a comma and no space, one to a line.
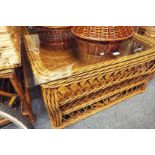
(100,40)
(55,37)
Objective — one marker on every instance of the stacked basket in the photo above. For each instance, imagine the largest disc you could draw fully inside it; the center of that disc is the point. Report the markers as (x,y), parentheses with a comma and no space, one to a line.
(55,37)
(98,42)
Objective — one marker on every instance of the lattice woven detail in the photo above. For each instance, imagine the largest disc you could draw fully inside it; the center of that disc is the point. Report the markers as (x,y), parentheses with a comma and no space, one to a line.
(79,108)
(67,93)
(103,33)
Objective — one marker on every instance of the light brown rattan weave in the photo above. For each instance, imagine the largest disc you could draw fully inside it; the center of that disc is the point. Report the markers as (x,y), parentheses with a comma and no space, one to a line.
(114,80)
(64,115)
(9,47)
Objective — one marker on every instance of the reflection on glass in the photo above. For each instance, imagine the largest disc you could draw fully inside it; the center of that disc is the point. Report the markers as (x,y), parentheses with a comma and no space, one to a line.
(48,64)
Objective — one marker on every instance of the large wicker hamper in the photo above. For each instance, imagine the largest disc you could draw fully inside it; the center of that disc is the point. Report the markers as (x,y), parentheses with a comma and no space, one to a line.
(92,88)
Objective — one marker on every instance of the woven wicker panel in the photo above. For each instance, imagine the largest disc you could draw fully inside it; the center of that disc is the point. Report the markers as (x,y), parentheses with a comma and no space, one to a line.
(87,98)
(100,105)
(9,47)
(86,86)
(55,37)
(103,33)
(62,114)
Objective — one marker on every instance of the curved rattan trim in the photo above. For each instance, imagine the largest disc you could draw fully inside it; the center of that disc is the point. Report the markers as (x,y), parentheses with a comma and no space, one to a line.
(102,33)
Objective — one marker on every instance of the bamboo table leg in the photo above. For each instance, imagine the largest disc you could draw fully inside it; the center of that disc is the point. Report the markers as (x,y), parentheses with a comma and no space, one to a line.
(25,102)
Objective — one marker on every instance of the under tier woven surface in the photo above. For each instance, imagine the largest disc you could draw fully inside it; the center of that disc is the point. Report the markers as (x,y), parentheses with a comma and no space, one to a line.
(71,112)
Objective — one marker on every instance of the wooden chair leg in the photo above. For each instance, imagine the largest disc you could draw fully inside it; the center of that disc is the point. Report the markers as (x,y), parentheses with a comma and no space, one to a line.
(27,95)
(25,106)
